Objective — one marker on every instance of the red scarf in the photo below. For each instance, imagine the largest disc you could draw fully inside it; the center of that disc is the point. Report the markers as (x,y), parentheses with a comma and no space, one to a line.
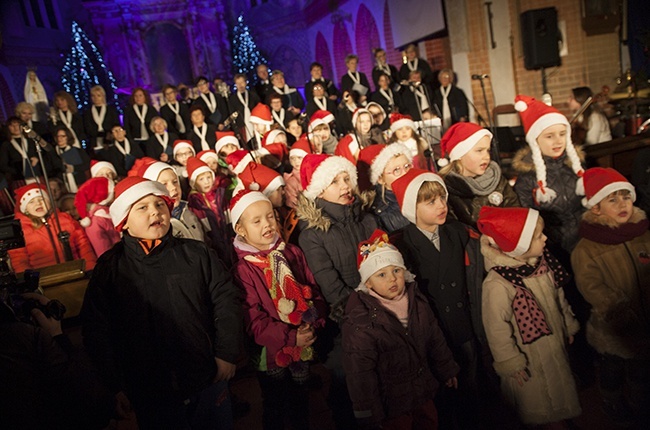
(606,235)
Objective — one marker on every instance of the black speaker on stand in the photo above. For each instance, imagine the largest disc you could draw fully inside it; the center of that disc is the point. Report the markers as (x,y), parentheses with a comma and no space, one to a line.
(541,38)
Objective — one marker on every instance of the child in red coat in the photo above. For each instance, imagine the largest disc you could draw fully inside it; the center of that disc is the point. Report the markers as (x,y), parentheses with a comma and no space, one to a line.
(92,202)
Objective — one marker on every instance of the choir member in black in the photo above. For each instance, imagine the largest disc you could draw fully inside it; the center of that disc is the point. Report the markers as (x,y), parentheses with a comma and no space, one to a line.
(353,79)
(319,101)
(292,101)
(450,100)
(416,98)
(316,72)
(344,111)
(383,68)
(137,117)
(161,142)
(379,118)
(214,105)
(25,111)
(242,101)
(18,155)
(65,112)
(185,95)
(263,85)
(388,99)
(176,114)
(121,152)
(414,63)
(99,118)
(73,163)
(202,134)
(280,115)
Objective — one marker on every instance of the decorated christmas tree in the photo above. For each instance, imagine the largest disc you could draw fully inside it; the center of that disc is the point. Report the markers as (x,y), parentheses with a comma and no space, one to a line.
(84,68)
(246,56)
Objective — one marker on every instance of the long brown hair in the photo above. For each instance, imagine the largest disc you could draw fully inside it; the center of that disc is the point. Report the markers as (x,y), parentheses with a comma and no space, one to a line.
(147,97)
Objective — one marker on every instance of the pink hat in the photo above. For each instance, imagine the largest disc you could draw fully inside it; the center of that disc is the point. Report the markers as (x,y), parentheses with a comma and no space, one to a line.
(196,167)
(300,148)
(459,139)
(510,228)
(261,114)
(207,154)
(257,177)
(94,190)
(130,190)
(238,160)
(96,166)
(406,189)
(536,117)
(181,144)
(28,192)
(242,200)
(376,253)
(601,182)
(398,121)
(319,170)
(318,118)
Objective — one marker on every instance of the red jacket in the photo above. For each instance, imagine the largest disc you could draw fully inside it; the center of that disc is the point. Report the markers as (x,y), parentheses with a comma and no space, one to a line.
(38,251)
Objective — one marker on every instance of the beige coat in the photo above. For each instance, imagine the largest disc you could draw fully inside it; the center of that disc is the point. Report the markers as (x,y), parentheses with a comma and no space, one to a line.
(550,394)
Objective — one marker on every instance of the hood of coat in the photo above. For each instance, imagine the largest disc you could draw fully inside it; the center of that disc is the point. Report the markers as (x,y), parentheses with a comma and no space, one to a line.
(319,213)
(589,217)
(494,257)
(243,249)
(522,162)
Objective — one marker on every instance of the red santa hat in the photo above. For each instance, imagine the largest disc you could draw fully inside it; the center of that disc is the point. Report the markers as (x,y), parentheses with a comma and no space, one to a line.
(601,182)
(97,166)
(182,144)
(364,163)
(406,189)
(459,139)
(271,136)
(398,121)
(357,113)
(256,177)
(511,229)
(319,170)
(238,160)
(301,147)
(94,190)
(387,153)
(28,192)
(261,114)
(376,253)
(242,200)
(347,147)
(225,138)
(536,117)
(320,117)
(131,189)
(152,170)
(195,168)
(207,154)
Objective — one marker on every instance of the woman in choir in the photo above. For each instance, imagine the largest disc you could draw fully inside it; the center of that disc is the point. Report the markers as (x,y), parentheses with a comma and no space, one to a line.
(159,146)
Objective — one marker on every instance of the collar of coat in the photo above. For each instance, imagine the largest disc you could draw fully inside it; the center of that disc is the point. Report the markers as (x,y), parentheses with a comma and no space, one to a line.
(320,214)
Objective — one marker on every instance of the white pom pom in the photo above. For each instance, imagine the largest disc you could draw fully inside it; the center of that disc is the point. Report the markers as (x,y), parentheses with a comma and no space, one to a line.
(184,173)
(585,202)
(548,196)
(85,222)
(521,106)
(442,162)
(580,186)
(254,186)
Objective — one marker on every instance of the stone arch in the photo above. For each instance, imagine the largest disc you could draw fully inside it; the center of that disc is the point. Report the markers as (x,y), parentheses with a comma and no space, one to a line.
(367,38)
(168,54)
(291,65)
(394,57)
(342,47)
(323,55)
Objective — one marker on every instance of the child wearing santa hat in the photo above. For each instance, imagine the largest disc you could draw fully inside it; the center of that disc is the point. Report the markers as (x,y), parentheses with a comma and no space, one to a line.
(40,230)
(403,131)
(262,120)
(527,319)
(256,177)
(182,151)
(283,309)
(472,179)
(319,125)
(161,317)
(102,169)
(611,263)
(361,137)
(92,201)
(292,180)
(389,386)
(549,171)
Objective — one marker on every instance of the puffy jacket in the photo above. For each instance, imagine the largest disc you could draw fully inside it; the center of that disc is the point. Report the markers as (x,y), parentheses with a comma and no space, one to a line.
(39,250)
(187,226)
(387,210)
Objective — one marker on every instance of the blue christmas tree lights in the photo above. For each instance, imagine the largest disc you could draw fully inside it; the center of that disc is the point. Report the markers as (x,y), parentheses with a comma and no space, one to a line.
(245,54)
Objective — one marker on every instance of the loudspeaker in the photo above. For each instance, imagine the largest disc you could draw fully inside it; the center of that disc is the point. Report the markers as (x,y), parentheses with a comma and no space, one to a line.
(540,37)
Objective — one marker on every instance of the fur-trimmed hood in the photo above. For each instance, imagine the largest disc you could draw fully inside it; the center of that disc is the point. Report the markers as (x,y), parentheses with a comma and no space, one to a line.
(318,213)
(589,217)
(522,162)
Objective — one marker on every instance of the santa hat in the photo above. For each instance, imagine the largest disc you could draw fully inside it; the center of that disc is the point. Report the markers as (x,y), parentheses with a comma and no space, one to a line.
(151,171)
(398,121)
(196,167)
(319,170)
(28,192)
(241,201)
(357,113)
(375,104)
(128,191)
(94,190)
(376,253)
(261,114)
(510,228)
(378,164)
(459,139)
(207,154)
(536,117)
(318,118)
(181,144)
(364,163)
(238,160)
(347,148)
(601,182)
(270,137)
(256,177)
(97,166)
(224,138)
(300,148)
(406,189)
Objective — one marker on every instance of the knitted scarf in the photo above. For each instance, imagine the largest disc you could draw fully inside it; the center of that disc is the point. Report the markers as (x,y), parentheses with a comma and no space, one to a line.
(531,320)
(484,184)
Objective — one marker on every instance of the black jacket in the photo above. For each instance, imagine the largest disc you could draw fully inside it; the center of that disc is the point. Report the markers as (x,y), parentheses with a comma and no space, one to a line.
(377,72)
(219,115)
(132,122)
(312,107)
(154,323)
(378,97)
(457,100)
(119,160)
(210,137)
(92,130)
(347,83)
(168,115)
(330,89)
(153,148)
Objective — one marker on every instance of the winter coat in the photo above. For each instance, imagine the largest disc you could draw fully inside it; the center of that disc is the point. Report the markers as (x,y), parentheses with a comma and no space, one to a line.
(387,210)
(39,252)
(562,215)
(101,232)
(210,209)
(465,204)
(187,225)
(132,123)
(390,369)
(458,107)
(329,237)
(261,318)
(550,394)
(615,280)
(111,119)
(154,323)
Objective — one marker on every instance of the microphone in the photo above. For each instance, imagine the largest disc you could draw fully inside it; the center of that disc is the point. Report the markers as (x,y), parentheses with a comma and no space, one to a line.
(480,77)
(32,134)
(414,84)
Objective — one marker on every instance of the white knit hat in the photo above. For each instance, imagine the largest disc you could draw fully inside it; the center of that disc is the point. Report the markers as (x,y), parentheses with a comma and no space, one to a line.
(376,253)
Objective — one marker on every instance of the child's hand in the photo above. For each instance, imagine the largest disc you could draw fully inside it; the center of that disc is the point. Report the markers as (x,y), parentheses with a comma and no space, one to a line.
(521,376)
(452,383)
(571,338)
(225,370)
(305,336)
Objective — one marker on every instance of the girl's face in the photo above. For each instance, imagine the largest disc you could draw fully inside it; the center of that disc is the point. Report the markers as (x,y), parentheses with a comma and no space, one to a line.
(295,129)
(204,182)
(226,150)
(14,128)
(431,213)
(383,82)
(552,141)
(148,218)
(323,131)
(339,191)
(616,206)
(139,98)
(388,282)
(477,160)
(61,103)
(277,197)
(574,105)
(296,161)
(404,133)
(38,207)
(212,163)
(182,155)
(364,123)
(170,180)
(257,225)
(396,167)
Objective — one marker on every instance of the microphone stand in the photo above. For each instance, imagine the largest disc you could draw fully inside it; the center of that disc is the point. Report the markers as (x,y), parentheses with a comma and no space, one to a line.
(495,147)
(431,161)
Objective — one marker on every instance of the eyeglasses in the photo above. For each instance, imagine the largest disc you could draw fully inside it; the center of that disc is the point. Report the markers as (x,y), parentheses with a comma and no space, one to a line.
(182,154)
(398,170)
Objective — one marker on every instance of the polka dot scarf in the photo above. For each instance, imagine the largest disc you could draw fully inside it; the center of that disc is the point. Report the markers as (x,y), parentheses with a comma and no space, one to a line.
(530,317)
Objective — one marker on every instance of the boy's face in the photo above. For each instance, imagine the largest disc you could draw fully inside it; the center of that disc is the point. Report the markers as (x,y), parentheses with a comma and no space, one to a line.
(537,244)
(552,141)
(396,167)
(404,133)
(431,213)
(277,197)
(477,160)
(170,180)
(197,117)
(276,105)
(119,134)
(323,131)
(318,91)
(316,72)
(339,191)
(182,155)
(148,218)
(204,182)
(616,206)
(227,149)
(296,161)
(387,282)
(257,225)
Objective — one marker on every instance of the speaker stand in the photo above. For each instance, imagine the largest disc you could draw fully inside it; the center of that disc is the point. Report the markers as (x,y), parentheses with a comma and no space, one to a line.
(547,99)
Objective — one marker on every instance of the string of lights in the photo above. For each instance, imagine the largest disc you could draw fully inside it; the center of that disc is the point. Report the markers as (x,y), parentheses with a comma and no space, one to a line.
(246,56)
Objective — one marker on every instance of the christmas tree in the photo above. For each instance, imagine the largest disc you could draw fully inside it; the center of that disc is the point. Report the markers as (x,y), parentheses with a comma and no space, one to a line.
(84,68)
(246,56)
